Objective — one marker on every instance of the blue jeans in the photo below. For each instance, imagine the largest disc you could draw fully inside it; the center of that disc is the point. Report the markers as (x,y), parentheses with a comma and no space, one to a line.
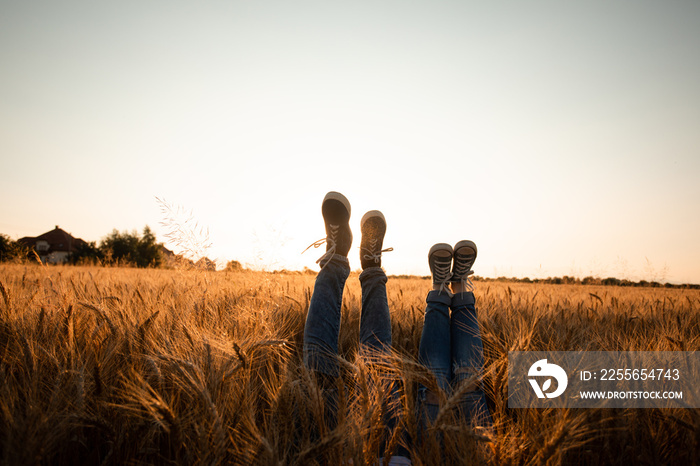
(323,320)
(451,348)
(322,329)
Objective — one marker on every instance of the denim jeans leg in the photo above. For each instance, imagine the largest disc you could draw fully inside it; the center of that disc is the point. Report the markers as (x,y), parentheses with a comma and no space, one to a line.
(323,319)
(434,349)
(434,353)
(468,355)
(375,341)
(375,321)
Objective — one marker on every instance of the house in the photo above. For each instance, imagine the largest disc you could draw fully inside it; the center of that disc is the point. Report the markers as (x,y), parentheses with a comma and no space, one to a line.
(53,247)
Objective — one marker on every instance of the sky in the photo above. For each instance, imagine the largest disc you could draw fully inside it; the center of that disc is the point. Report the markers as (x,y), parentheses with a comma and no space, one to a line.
(563,138)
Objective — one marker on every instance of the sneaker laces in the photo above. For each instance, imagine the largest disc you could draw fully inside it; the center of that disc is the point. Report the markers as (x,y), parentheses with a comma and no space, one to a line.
(330,240)
(461,270)
(375,256)
(441,274)
(467,282)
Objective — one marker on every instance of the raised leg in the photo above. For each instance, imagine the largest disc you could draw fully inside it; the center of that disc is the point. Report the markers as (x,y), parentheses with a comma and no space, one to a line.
(323,319)
(375,321)
(468,356)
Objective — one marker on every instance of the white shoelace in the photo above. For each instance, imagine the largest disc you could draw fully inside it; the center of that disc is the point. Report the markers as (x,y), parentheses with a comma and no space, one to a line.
(331,240)
(461,268)
(442,274)
(376,257)
(467,282)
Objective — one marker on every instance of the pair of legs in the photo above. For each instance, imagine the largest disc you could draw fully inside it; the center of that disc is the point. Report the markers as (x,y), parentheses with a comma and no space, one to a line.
(451,344)
(323,319)
(322,328)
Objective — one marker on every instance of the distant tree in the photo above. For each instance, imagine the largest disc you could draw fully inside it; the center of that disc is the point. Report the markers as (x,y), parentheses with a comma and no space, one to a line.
(11,250)
(205,264)
(6,246)
(233,266)
(569,280)
(590,281)
(119,248)
(611,281)
(86,252)
(130,248)
(148,249)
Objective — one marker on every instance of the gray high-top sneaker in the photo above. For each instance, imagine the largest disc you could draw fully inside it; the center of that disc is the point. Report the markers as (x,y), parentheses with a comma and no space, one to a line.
(464,257)
(440,262)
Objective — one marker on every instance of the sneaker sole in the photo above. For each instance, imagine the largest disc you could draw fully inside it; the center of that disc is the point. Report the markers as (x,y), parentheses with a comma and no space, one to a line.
(370,214)
(442,250)
(439,248)
(465,244)
(335,196)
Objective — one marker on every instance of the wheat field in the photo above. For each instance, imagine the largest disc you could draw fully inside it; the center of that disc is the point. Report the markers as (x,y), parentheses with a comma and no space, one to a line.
(145,366)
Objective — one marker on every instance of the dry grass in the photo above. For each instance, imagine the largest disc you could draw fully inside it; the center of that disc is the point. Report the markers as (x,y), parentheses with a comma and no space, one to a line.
(113,366)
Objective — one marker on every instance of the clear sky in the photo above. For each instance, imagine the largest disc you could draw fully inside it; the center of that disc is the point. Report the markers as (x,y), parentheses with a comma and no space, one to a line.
(562,137)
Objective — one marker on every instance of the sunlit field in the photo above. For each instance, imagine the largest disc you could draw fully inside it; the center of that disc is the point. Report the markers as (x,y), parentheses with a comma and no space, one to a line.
(144,366)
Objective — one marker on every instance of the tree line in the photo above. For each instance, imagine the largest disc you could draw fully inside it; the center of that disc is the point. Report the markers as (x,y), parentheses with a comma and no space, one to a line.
(120,249)
(609,281)
(117,248)
(132,249)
